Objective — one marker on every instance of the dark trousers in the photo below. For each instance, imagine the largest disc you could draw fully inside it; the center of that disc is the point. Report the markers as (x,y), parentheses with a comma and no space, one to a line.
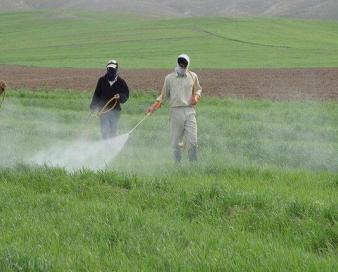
(109,123)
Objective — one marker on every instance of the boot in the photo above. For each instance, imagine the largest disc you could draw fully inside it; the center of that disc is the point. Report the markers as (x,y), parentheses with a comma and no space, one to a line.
(192,153)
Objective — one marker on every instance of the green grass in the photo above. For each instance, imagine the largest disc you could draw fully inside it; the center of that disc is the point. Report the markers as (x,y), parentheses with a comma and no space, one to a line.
(53,221)
(83,39)
(263,196)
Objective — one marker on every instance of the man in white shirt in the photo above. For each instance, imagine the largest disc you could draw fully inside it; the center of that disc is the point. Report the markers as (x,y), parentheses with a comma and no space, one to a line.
(183,91)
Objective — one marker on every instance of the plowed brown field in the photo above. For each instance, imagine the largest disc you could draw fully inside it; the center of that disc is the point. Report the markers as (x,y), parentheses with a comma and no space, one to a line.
(275,84)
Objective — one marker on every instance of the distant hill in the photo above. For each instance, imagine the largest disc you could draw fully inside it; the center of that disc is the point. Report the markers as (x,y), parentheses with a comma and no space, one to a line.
(314,9)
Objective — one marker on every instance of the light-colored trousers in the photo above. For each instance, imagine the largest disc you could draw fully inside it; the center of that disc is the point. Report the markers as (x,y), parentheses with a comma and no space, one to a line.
(183,123)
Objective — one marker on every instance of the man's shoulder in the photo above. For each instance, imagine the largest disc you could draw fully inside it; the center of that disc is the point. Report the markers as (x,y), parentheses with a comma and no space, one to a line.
(121,81)
(171,75)
(193,74)
(102,78)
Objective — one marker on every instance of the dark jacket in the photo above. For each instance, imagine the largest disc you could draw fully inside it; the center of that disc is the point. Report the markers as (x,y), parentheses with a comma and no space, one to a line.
(104,92)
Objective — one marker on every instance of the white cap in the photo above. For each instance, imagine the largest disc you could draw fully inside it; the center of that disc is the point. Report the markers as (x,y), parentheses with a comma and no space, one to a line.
(112,64)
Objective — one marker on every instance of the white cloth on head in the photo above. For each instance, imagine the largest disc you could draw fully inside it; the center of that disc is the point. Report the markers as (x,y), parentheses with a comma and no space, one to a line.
(186,57)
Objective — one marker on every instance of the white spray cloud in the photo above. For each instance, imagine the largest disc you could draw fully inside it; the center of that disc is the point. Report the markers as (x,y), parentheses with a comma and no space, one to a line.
(82,154)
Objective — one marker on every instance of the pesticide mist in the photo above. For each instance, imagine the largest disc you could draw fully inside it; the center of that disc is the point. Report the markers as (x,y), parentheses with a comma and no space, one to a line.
(49,129)
(53,133)
(82,154)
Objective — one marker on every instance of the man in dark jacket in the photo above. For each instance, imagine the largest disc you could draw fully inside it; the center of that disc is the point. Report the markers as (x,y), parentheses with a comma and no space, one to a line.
(108,86)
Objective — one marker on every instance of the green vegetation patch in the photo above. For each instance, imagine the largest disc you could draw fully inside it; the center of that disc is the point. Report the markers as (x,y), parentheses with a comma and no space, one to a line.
(53,221)
(89,39)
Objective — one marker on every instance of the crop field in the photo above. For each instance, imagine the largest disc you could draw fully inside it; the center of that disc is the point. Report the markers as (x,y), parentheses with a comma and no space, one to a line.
(262,195)
(88,39)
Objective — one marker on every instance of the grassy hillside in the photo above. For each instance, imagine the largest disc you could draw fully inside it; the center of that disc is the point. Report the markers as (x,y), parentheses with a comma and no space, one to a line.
(262,196)
(87,39)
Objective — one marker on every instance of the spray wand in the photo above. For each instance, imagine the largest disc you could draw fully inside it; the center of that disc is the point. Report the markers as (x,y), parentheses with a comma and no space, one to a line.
(139,123)
(150,111)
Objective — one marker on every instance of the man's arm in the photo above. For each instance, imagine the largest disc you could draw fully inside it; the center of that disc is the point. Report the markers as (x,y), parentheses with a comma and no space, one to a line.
(164,94)
(197,90)
(96,96)
(160,99)
(124,92)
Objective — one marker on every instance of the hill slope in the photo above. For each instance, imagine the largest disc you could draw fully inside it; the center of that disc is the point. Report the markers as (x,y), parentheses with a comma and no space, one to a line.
(316,9)
(89,39)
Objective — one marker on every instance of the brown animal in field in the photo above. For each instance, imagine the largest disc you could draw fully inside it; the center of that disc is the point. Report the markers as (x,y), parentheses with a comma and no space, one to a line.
(3,86)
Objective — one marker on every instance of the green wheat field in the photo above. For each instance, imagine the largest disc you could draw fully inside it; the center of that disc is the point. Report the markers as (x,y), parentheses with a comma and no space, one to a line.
(83,39)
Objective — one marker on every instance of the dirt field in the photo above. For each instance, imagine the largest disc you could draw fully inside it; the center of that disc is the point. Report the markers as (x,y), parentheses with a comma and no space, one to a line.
(275,84)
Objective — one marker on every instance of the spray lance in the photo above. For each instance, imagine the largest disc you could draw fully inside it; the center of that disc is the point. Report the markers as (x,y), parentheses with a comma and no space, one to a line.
(150,111)
(139,123)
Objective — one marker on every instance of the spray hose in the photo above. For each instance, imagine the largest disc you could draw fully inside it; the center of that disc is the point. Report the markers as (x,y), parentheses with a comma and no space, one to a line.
(106,107)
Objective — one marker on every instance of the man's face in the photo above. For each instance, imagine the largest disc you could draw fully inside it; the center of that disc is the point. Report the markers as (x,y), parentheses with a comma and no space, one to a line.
(182,63)
(111,70)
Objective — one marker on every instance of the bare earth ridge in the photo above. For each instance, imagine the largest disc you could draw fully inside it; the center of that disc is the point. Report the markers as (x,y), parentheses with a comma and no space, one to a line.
(274,84)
